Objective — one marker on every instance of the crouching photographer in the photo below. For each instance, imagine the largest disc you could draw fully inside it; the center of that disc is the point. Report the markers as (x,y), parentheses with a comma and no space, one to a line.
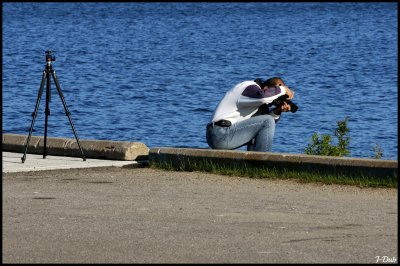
(243,116)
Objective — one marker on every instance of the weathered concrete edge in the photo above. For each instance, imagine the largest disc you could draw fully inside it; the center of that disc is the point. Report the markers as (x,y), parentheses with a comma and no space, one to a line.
(131,151)
(99,149)
(311,163)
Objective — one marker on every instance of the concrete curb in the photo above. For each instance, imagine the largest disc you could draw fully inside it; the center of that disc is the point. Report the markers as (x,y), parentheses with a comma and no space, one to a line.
(99,149)
(181,157)
(187,157)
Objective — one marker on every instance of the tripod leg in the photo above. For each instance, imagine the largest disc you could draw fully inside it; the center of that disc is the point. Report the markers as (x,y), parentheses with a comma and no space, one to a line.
(47,113)
(67,111)
(34,115)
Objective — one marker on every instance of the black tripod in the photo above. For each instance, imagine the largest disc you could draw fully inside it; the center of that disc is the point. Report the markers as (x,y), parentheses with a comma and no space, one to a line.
(46,76)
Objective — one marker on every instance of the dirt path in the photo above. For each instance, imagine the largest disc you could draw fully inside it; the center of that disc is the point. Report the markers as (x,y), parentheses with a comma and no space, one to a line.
(119,215)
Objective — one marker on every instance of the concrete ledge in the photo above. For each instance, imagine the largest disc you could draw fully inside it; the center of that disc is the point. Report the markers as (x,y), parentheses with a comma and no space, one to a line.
(181,157)
(100,149)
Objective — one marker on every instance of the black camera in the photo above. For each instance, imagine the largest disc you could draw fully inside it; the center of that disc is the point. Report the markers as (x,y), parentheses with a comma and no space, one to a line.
(50,57)
(282,99)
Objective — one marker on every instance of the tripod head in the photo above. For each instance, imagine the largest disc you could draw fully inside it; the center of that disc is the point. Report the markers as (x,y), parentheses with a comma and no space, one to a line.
(49,57)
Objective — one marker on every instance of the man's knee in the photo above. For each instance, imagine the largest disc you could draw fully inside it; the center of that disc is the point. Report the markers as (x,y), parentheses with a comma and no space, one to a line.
(268,120)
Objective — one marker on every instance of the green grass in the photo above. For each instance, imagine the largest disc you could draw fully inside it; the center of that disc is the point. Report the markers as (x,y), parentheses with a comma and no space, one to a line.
(249,171)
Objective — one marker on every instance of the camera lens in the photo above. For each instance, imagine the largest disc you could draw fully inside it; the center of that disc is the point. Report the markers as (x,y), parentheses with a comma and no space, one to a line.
(293,107)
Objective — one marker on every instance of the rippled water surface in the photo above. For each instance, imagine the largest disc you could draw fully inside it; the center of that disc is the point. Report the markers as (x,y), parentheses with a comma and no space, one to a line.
(154,72)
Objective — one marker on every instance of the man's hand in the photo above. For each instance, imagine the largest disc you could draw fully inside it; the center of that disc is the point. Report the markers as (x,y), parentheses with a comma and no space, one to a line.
(289,92)
(285,107)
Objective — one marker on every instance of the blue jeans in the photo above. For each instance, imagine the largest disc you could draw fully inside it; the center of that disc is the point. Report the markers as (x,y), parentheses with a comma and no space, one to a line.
(257,132)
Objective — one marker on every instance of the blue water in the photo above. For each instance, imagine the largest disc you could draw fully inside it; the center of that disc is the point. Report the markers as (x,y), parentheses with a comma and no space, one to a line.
(154,72)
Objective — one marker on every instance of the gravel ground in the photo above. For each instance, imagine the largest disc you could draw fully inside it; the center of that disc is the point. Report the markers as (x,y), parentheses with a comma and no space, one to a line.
(143,215)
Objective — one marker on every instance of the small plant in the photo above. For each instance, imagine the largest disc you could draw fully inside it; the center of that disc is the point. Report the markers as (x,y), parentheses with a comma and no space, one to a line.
(324,146)
(378,151)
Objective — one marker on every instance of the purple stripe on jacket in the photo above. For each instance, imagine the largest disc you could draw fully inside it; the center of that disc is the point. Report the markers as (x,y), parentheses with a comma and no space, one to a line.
(254,91)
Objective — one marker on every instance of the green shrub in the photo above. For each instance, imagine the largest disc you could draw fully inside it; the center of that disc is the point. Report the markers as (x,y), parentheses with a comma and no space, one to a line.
(324,146)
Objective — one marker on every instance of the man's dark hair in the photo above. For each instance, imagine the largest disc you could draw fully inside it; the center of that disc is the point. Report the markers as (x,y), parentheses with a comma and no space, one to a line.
(272,82)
